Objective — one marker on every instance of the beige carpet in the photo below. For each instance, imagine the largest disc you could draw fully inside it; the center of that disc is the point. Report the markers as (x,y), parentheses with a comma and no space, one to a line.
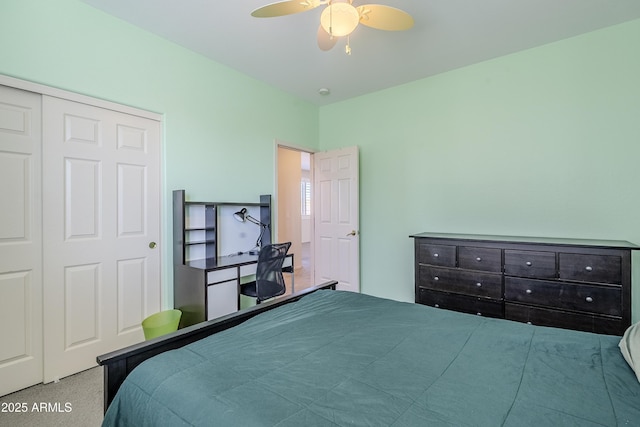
(73,401)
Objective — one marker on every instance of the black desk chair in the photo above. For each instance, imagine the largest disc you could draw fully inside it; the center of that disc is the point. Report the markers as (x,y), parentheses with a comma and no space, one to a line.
(269,281)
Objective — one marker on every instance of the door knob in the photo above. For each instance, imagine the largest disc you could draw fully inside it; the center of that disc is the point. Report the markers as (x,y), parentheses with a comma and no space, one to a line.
(153,245)
(353,233)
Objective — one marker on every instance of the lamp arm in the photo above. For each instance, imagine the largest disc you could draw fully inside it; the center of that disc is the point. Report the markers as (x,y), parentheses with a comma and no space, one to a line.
(259,241)
(255,221)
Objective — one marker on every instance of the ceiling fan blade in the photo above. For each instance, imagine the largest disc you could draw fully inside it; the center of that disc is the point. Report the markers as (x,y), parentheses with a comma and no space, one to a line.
(325,40)
(285,8)
(383,17)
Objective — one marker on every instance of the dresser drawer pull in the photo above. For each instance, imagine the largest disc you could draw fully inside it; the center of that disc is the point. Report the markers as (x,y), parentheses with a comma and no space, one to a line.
(528,291)
(436,305)
(478,259)
(479,314)
(588,299)
(588,268)
(436,278)
(436,255)
(479,284)
(528,263)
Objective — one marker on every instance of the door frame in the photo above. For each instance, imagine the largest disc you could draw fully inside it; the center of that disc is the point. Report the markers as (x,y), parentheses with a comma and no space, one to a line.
(84,99)
(288,146)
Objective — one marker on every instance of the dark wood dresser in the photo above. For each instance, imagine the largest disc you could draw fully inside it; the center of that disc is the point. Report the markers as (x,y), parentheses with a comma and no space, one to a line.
(567,283)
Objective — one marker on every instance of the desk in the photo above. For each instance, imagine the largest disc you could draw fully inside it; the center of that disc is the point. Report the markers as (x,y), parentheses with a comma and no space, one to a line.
(206,289)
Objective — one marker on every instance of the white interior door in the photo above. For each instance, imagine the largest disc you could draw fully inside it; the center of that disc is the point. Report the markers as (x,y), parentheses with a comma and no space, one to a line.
(20,240)
(336,218)
(102,215)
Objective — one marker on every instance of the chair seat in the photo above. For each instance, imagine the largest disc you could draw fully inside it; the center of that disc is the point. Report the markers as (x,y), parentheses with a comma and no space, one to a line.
(267,287)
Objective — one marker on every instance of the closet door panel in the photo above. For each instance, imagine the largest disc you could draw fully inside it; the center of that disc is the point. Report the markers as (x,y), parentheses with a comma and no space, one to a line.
(103,266)
(20,240)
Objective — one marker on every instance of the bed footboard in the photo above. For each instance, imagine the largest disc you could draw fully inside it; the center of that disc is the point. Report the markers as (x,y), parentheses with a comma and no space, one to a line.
(118,364)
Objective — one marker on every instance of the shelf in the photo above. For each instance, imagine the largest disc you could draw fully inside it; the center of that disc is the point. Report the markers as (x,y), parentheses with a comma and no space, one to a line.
(188,203)
(197,225)
(200,242)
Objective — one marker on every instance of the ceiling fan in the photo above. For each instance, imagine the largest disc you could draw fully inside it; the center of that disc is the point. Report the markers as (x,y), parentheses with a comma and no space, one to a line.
(340,18)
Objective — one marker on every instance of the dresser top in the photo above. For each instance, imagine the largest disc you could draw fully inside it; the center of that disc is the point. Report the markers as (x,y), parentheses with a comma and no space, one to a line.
(617,244)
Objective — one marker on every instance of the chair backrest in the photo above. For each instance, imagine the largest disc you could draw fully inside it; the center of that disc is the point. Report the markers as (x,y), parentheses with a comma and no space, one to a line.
(269,279)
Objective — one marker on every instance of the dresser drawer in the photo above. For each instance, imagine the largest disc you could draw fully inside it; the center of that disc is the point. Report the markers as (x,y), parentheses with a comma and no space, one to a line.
(465,304)
(443,255)
(591,268)
(605,300)
(562,319)
(484,259)
(488,285)
(530,264)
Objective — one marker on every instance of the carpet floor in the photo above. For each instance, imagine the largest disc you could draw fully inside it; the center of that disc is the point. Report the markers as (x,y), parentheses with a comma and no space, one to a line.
(76,400)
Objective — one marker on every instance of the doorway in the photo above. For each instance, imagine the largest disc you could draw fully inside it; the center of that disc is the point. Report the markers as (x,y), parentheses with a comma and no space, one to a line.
(294,211)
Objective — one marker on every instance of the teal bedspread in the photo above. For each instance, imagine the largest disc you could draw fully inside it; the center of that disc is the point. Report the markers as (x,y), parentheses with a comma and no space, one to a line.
(344,359)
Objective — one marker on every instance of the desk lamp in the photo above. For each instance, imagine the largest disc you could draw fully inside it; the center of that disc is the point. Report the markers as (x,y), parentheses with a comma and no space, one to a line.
(243,216)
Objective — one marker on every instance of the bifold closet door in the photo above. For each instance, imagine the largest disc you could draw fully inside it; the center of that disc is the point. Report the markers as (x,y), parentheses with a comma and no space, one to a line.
(101,230)
(20,240)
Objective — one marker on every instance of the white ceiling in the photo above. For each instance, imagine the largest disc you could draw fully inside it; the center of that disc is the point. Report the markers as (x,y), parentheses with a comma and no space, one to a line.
(447,34)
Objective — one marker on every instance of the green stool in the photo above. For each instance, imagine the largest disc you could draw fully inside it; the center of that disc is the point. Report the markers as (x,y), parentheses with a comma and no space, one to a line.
(161,323)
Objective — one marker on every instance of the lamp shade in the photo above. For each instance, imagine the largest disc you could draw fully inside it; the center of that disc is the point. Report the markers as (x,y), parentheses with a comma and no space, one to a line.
(240,215)
(339,19)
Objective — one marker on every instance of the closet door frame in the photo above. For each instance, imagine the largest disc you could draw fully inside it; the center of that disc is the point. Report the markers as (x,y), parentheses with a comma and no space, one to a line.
(75,97)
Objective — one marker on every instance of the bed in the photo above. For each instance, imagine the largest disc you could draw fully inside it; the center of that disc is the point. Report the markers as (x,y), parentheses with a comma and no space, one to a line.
(332,358)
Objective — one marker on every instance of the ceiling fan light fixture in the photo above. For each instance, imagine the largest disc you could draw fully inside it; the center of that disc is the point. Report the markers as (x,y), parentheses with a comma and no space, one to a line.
(339,19)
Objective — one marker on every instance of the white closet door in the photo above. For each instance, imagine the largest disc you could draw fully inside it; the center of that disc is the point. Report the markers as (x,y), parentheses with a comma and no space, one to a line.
(101,225)
(20,240)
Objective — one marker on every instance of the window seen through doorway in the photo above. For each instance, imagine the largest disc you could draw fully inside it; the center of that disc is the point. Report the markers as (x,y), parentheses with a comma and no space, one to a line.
(305,197)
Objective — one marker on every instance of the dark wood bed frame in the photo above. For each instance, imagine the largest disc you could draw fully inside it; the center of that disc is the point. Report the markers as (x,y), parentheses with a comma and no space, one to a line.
(118,364)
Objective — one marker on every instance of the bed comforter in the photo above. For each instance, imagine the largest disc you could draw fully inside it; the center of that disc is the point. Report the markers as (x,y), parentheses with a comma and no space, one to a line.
(343,359)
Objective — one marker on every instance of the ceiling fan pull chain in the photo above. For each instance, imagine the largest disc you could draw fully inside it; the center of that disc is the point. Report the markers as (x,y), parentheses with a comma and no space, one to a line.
(330,20)
(347,48)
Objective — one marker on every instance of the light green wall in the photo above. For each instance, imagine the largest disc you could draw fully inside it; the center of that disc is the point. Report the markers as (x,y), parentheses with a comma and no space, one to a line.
(545,142)
(220,125)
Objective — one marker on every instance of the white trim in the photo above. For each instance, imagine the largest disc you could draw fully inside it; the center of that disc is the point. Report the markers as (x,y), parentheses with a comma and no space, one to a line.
(286,145)
(76,97)
(274,201)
